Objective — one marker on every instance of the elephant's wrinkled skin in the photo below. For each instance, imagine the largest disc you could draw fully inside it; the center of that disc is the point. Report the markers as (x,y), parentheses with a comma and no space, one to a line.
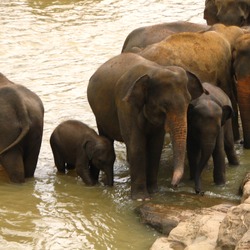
(144,36)
(210,134)
(21,129)
(135,101)
(228,12)
(75,145)
(206,54)
(241,57)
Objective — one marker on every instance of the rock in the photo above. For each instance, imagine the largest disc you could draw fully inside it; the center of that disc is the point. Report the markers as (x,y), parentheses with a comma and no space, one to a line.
(221,227)
(161,217)
(233,228)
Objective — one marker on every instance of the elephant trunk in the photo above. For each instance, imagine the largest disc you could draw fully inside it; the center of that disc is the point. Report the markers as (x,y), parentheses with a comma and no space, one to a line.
(206,152)
(243,92)
(178,132)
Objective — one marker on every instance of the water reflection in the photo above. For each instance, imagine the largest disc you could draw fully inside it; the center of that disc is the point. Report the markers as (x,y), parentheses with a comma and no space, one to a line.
(53,47)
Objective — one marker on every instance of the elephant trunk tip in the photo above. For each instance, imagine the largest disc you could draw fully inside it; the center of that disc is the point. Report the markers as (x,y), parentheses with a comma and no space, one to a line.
(177,175)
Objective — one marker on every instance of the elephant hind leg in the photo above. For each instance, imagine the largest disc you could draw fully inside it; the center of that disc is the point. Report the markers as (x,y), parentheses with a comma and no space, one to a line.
(229,144)
(12,161)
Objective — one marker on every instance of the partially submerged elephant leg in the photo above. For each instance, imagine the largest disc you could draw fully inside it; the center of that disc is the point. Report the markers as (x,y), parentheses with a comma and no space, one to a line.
(12,162)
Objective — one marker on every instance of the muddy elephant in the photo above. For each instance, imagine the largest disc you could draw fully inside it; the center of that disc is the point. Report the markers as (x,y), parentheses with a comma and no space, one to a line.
(76,145)
(228,12)
(21,129)
(207,54)
(136,101)
(144,36)
(210,134)
(241,58)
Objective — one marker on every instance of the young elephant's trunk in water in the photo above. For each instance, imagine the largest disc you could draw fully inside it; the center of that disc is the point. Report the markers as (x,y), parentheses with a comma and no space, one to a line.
(178,132)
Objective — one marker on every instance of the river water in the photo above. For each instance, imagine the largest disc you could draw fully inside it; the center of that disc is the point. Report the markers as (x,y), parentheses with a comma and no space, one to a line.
(53,47)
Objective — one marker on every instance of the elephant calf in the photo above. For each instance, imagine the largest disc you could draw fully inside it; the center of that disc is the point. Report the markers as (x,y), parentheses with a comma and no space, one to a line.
(75,145)
(210,133)
(21,129)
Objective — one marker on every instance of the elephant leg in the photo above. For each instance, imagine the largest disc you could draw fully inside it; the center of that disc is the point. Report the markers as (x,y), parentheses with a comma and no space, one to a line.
(219,160)
(58,159)
(12,161)
(193,154)
(94,173)
(136,146)
(154,149)
(229,144)
(31,154)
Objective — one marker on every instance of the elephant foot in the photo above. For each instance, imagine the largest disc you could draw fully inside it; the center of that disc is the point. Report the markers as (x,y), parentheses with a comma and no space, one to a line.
(140,196)
(152,189)
(199,192)
(234,162)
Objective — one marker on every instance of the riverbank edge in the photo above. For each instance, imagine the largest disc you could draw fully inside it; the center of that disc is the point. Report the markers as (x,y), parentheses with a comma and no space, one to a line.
(224,226)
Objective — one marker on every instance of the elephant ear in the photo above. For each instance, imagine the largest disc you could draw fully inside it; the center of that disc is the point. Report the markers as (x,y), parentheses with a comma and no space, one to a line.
(195,86)
(137,93)
(89,147)
(227,113)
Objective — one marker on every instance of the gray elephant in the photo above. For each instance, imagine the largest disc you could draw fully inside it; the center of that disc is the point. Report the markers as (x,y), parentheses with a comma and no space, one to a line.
(76,145)
(210,134)
(206,54)
(228,12)
(144,36)
(136,101)
(21,129)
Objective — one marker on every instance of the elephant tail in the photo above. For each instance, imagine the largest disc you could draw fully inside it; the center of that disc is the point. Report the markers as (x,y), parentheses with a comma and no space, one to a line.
(22,116)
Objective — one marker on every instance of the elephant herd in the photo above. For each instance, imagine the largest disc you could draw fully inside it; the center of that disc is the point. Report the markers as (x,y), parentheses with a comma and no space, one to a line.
(186,79)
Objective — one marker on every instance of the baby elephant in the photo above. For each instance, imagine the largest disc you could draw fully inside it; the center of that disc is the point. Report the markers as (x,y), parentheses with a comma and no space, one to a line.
(210,134)
(75,145)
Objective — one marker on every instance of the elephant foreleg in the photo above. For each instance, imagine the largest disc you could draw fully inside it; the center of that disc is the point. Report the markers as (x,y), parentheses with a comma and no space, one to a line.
(154,149)
(219,160)
(229,144)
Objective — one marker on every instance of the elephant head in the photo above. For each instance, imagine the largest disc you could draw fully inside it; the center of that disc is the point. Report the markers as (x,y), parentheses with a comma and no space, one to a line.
(163,97)
(228,12)
(241,57)
(101,156)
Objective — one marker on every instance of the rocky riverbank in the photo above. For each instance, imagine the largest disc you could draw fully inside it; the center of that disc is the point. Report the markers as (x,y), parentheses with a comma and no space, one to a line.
(224,226)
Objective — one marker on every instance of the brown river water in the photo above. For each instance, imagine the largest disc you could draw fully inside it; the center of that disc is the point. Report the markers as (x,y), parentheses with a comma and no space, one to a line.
(53,47)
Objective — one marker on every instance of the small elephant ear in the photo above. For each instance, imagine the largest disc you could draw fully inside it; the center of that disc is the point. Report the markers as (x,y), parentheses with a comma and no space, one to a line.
(138,91)
(195,86)
(89,149)
(227,113)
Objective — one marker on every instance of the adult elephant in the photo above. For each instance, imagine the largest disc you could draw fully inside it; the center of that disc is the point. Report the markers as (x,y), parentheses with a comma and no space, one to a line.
(207,54)
(241,64)
(228,12)
(21,129)
(136,101)
(144,36)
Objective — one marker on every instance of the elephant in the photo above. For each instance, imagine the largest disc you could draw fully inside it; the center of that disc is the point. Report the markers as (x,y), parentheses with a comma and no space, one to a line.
(228,12)
(136,101)
(210,134)
(21,130)
(75,145)
(241,61)
(144,36)
(206,54)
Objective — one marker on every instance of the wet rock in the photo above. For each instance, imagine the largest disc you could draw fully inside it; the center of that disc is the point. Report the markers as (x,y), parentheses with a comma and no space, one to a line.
(221,227)
(161,217)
